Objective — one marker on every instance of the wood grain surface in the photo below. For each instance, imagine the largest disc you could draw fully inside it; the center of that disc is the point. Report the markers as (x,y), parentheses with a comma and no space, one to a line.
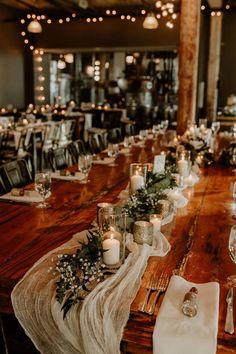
(198,236)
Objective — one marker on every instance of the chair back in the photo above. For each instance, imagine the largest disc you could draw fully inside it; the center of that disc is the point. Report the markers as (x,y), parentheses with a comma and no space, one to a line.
(114,135)
(76,148)
(15,174)
(57,159)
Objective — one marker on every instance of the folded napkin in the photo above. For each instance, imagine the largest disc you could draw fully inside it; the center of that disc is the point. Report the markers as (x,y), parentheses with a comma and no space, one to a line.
(175,333)
(28,197)
(77,177)
(105,161)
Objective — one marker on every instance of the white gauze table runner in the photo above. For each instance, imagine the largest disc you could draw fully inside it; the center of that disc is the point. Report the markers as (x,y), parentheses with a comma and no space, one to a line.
(97,325)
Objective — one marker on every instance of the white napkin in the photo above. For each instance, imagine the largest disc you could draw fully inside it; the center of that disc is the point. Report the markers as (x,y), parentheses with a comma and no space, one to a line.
(29,197)
(175,333)
(105,161)
(77,177)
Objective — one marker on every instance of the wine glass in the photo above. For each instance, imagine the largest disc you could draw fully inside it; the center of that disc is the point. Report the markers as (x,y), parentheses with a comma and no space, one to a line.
(215,127)
(42,185)
(84,165)
(231,280)
(113,151)
(234,197)
(164,125)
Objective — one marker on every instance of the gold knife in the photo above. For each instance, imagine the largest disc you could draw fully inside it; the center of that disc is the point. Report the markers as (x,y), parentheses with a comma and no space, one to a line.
(229,321)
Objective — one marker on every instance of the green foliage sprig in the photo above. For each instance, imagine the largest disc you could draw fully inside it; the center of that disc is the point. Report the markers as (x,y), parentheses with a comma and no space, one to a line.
(146,200)
(80,272)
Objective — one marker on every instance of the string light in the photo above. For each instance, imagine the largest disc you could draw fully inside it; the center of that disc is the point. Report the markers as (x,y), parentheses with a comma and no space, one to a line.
(39,77)
(164,9)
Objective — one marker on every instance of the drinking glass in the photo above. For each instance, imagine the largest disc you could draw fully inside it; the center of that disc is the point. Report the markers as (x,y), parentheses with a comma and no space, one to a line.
(84,165)
(232,253)
(42,185)
(215,127)
(234,198)
(113,151)
(143,135)
(164,125)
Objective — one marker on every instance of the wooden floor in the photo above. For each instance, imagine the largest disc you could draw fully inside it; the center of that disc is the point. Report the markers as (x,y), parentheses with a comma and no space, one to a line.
(17,340)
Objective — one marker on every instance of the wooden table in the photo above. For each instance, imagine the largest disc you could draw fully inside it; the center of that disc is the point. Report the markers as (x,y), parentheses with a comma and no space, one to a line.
(198,235)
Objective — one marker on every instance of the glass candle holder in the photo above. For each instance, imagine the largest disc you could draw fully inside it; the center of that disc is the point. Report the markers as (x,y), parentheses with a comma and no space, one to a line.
(112,225)
(143,232)
(138,174)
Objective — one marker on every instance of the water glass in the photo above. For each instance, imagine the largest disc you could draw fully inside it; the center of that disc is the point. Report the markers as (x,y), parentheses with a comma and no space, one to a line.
(84,166)
(113,151)
(42,185)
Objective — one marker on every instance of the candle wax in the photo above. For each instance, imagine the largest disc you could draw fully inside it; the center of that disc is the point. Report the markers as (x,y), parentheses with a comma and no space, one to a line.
(111,256)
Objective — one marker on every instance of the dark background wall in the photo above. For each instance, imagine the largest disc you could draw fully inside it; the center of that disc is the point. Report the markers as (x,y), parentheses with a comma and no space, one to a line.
(11,61)
(227,83)
(109,33)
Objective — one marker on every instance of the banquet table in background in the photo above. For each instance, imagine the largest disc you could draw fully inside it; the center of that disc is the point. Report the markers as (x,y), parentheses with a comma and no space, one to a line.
(198,236)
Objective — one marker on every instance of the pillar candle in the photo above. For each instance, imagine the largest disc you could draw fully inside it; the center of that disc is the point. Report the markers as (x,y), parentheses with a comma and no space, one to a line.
(111,246)
(136,182)
(183,168)
(113,234)
(156,222)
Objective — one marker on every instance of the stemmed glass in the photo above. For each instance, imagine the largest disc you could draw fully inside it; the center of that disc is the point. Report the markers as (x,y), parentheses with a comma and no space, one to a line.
(113,151)
(215,127)
(42,185)
(232,252)
(164,125)
(84,165)
(234,197)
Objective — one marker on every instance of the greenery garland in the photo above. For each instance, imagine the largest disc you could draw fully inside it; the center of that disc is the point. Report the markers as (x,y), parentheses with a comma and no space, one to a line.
(146,200)
(80,272)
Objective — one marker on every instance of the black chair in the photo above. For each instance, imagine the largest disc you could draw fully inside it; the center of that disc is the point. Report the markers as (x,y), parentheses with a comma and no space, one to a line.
(57,159)
(76,148)
(96,143)
(114,136)
(15,174)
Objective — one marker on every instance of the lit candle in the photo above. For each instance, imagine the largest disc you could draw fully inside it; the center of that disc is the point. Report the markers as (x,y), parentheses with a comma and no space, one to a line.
(202,128)
(175,141)
(136,182)
(111,248)
(183,167)
(112,233)
(156,222)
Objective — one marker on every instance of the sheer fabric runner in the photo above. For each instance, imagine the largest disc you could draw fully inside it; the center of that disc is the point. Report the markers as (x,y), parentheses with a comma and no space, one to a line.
(97,325)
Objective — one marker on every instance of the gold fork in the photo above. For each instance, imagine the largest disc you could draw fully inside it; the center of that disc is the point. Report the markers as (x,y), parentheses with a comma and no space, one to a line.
(161,287)
(152,285)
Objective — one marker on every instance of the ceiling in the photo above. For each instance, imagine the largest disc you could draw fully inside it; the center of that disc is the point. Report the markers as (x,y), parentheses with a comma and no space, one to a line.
(95,7)
(68,6)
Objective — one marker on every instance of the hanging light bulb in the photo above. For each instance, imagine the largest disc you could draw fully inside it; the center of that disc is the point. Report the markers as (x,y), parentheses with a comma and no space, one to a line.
(69,58)
(61,64)
(34,26)
(150,21)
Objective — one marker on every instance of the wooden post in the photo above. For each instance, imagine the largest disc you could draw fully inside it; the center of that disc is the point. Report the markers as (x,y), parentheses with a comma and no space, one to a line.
(188,62)
(213,66)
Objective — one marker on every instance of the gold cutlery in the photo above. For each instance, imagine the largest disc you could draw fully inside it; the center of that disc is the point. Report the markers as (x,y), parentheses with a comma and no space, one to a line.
(152,286)
(161,287)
